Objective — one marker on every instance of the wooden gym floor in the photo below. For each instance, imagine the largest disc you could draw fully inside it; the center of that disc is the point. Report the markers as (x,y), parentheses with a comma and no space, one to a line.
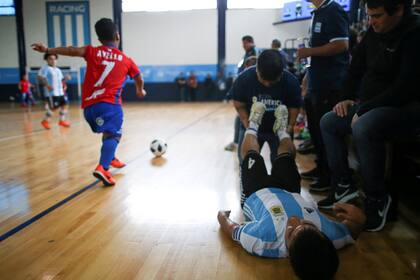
(159,221)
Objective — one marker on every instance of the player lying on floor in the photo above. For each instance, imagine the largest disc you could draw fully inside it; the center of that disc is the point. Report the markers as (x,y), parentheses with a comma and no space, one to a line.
(279,221)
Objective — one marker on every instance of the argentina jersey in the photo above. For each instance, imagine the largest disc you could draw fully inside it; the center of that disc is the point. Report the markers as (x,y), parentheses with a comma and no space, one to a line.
(267,212)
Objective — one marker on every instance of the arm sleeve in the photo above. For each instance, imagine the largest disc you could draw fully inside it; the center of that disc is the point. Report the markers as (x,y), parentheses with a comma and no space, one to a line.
(250,237)
(133,70)
(238,90)
(357,70)
(338,233)
(404,89)
(88,52)
(338,27)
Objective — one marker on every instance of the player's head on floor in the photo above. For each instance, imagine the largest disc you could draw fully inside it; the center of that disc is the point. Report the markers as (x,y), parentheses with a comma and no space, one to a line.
(311,253)
(107,31)
(51,59)
(269,67)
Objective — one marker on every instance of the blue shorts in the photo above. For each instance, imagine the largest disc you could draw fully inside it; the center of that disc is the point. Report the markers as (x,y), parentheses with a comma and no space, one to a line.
(105,117)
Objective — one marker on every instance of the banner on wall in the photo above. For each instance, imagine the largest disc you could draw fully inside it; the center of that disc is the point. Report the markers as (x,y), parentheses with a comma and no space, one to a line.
(68,23)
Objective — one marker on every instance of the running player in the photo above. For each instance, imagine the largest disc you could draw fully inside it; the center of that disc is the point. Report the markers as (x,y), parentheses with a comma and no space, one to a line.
(51,77)
(107,69)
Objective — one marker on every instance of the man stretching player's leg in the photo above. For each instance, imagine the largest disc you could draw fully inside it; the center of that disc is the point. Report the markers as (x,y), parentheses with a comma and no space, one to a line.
(107,68)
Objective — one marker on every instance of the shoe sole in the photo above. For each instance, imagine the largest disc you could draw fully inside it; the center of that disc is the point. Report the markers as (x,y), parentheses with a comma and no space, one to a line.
(99,176)
(345,199)
(381,226)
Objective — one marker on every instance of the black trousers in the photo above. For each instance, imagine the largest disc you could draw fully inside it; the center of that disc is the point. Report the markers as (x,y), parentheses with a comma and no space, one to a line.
(284,174)
(317,104)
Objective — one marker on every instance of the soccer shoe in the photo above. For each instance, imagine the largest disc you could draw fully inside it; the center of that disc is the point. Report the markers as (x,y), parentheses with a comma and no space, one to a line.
(319,185)
(64,123)
(46,124)
(282,115)
(342,194)
(376,213)
(116,163)
(257,112)
(104,175)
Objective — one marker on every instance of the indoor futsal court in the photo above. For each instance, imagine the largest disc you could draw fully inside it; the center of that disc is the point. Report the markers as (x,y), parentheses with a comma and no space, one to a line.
(129,129)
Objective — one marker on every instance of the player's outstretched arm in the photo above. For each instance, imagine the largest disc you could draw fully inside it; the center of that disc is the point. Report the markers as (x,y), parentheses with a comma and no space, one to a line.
(226,224)
(68,51)
(138,81)
(352,216)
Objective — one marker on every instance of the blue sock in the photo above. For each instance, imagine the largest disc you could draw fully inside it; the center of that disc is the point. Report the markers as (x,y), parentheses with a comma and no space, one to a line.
(109,146)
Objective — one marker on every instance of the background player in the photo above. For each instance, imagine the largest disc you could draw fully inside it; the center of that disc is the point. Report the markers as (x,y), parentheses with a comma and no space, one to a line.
(107,69)
(52,77)
(25,91)
(280,222)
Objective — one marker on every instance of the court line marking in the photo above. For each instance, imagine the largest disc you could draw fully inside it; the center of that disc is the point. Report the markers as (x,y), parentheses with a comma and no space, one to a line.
(35,218)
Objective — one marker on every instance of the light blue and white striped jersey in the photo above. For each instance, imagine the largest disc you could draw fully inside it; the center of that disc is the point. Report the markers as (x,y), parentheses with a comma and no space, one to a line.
(54,78)
(267,212)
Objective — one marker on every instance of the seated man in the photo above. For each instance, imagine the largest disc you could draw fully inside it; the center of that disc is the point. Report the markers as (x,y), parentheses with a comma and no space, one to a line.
(280,222)
(381,102)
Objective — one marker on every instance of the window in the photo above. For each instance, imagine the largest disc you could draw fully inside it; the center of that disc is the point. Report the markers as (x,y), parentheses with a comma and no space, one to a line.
(167,5)
(7,8)
(260,4)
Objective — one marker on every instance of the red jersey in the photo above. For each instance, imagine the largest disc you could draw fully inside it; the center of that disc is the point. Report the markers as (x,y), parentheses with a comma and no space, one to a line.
(24,86)
(107,69)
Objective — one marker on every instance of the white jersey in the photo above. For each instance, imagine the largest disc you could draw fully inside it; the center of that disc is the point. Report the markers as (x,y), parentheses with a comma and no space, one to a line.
(268,211)
(54,77)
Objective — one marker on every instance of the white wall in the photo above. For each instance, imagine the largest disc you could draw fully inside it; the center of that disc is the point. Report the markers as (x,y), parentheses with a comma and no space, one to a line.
(175,38)
(9,53)
(35,25)
(258,24)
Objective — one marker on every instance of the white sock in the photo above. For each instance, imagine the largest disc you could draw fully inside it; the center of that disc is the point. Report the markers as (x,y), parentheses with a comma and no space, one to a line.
(282,134)
(251,131)
(254,126)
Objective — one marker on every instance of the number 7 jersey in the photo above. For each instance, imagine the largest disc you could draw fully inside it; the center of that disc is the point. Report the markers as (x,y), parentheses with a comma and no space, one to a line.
(106,72)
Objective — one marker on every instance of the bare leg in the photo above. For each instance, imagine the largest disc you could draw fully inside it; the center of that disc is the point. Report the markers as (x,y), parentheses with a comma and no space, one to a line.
(250,143)
(286,146)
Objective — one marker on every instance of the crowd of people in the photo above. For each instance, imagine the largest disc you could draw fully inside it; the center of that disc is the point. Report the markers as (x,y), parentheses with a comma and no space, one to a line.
(365,90)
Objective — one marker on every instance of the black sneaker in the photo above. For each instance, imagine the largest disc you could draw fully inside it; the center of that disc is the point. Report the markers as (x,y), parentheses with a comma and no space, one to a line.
(376,211)
(312,174)
(320,185)
(342,194)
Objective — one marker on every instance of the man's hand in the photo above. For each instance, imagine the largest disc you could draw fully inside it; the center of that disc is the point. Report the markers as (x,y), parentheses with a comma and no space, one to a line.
(222,214)
(39,47)
(354,120)
(350,215)
(303,53)
(141,93)
(342,107)
(50,88)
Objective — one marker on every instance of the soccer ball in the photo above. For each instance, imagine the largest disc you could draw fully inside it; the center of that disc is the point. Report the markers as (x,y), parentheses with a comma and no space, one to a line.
(158,147)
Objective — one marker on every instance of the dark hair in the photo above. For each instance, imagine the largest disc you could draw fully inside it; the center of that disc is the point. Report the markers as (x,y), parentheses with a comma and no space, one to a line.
(270,65)
(276,43)
(248,38)
(106,30)
(47,55)
(390,6)
(313,256)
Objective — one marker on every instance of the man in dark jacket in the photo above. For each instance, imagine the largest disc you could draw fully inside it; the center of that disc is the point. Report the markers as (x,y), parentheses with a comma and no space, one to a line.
(381,102)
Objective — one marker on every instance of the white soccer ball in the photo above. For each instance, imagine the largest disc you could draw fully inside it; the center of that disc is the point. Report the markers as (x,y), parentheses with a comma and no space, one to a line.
(158,147)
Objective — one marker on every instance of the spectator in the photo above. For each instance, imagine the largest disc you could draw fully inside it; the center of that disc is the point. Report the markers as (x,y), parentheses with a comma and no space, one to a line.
(381,101)
(192,86)
(276,45)
(181,83)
